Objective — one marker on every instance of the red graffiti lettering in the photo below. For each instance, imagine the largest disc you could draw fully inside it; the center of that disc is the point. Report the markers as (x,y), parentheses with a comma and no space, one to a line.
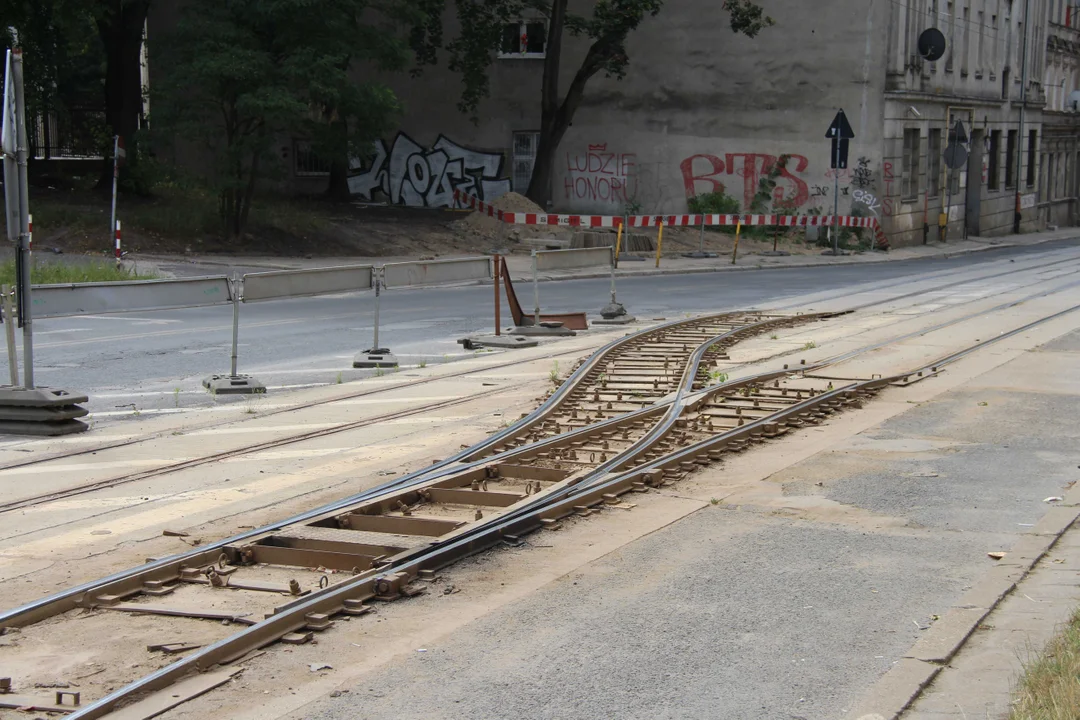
(690,180)
(801,196)
(886,171)
(752,169)
(600,175)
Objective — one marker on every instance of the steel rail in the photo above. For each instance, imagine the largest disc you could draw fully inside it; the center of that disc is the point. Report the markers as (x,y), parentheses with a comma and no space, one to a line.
(465,373)
(595,487)
(68,599)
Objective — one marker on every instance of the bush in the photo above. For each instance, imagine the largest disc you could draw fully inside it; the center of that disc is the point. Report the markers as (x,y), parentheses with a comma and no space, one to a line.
(715,203)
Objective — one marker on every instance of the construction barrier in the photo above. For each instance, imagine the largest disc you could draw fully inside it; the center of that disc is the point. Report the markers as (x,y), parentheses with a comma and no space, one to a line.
(50,301)
(436,272)
(305,283)
(569,259)
(465,200)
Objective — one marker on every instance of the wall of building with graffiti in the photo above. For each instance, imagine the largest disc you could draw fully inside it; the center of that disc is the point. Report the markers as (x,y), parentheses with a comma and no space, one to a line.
(613,176)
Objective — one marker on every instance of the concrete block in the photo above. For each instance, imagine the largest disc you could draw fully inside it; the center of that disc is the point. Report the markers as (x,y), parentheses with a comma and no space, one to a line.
(620,320)
(42,429)
(544,330)
(41,412)
(39,397)
(233,385)
(497,341)
(375,358)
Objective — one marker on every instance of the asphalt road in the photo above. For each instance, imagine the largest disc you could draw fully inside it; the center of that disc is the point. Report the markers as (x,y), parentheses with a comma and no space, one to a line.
(153,362)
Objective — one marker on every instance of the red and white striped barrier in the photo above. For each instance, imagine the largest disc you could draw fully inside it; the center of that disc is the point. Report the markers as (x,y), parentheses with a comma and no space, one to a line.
(641,221)
(117,243)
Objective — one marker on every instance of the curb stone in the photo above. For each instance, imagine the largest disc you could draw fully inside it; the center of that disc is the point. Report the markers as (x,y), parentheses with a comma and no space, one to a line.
(902,685)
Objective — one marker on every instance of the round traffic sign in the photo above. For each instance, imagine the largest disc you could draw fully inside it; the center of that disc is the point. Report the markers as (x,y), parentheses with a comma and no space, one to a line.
(932,44)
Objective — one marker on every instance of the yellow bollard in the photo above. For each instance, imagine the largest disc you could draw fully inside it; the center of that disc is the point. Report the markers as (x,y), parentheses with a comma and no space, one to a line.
(618,244)
(735,250)
(659,242)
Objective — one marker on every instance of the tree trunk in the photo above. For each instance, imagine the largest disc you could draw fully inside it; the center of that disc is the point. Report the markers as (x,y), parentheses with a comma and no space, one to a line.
(540,183)
(249,194)
(121,30)
(338,188)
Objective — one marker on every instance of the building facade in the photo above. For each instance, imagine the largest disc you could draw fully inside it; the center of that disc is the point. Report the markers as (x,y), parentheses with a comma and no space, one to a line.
(704,110)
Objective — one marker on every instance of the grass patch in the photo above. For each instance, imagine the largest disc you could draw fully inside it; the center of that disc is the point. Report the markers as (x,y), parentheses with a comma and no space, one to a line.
(1050,688)
(56,273)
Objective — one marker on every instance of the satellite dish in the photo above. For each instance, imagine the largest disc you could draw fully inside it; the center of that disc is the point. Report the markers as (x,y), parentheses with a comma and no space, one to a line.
(932,44)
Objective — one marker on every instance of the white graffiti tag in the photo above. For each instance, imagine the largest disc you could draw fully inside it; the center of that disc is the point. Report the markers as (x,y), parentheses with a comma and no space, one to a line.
(867,199)
(411,175)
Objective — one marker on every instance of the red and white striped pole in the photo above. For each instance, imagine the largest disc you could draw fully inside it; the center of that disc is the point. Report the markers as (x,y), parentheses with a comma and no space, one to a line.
(118,244)
(30,243)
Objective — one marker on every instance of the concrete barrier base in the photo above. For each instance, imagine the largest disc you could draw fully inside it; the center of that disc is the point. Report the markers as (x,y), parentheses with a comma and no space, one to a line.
(233,385)
(619,320)
(41,412)
(543,330)
(497,341)
(375,358)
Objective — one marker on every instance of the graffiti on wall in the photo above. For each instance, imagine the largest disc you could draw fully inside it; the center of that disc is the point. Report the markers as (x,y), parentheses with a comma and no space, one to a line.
(599,175)
(704,173)
(410,175)
(796,186)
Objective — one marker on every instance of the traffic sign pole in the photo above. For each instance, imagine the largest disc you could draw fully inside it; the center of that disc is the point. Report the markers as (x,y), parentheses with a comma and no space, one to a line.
(840,133)
(836,198)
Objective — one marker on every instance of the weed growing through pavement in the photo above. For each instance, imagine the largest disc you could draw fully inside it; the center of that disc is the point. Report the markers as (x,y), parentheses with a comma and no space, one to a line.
(379,372)
(176,397)
(423,363)
(1049,689)
(810,345)
(554,374)
(774,336)
(339,377)
(714,501)
(717,378)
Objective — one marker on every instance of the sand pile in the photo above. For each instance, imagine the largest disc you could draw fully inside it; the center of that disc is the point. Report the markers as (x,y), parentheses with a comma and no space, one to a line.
(480,225)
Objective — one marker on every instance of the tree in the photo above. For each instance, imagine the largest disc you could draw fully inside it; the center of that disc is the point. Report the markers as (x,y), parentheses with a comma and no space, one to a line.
(63,65)
(606,30)
(121,25)
(242,74)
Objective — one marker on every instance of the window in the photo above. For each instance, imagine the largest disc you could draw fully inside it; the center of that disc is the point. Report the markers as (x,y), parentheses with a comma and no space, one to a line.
(1010,159)
(306,163)
(995,159)
(933,163)
(524,39)
(909,185)
(1033,142)
(524,155)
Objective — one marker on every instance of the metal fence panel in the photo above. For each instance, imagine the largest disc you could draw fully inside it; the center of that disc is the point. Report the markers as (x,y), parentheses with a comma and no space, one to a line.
(300,283)
(113,297)
(566,259)
(436,272)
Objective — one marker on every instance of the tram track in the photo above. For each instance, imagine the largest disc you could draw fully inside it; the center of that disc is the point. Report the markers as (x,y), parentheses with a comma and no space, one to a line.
(530,486)
(633,395)
(368,392)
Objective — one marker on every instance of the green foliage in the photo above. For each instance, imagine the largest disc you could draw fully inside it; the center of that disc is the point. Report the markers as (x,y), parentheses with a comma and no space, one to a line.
(59,273)
(715,203)
(241,73)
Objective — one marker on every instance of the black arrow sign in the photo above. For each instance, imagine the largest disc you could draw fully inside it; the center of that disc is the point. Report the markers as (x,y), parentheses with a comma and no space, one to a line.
(840,128)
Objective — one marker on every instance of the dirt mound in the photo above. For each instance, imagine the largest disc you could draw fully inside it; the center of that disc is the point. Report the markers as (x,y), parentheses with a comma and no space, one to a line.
(480,225)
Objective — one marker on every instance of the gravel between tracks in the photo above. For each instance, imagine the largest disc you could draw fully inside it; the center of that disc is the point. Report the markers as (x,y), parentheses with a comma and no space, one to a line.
(741,613)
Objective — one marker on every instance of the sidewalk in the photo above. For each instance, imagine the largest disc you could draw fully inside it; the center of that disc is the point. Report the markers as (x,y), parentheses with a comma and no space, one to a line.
(970,661)
(521,264)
